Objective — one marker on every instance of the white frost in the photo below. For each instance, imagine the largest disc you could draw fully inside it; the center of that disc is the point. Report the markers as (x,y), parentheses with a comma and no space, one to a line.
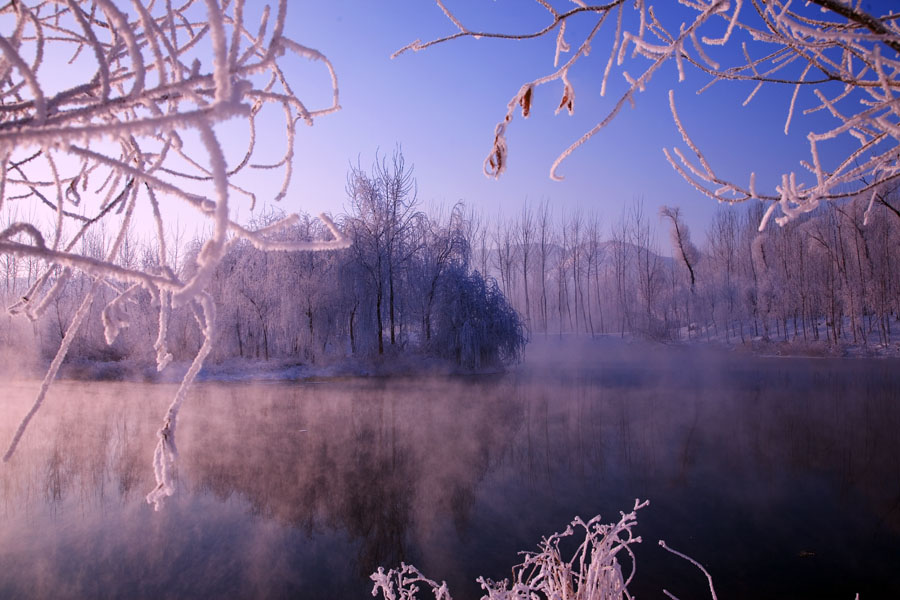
(160,70)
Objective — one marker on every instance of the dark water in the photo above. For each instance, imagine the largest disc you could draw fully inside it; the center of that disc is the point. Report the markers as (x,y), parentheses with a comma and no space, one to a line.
(781,476)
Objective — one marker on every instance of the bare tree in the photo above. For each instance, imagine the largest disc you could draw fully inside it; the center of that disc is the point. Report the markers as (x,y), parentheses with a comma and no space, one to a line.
(506,253)
(382,213)
(621,257)
(560,264)
(681,241)
(545,235)
(722,252)
(574,227)
(399,188)
(441,244)
(368,229)
(640,237)
(593,258)
(525,239)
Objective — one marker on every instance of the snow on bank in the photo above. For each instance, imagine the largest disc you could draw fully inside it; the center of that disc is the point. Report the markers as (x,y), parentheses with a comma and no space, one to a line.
(787,339)
(761,347)
(543,351)
(244,369)
(545,346)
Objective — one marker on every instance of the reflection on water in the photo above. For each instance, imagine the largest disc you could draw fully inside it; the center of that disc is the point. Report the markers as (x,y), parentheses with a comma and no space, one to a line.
(782,477)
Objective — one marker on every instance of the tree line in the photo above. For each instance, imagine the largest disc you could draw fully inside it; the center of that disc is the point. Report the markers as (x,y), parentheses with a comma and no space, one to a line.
(406,284)
(471,290)
(826,276)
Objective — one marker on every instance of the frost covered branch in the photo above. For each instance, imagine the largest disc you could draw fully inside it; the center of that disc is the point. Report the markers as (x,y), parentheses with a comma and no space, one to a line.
(846,56)
(403,584)
(712,590)
(142,128)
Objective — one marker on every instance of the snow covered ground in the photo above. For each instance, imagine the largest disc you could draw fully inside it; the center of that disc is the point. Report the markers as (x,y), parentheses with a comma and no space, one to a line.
(541,349)
(238,369)
(792,343)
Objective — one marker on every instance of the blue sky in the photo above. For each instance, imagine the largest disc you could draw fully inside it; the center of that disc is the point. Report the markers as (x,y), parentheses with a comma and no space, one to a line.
(441,106)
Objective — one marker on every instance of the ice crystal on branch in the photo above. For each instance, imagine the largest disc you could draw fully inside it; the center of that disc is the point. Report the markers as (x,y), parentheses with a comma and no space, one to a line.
(139,128)
(847,59)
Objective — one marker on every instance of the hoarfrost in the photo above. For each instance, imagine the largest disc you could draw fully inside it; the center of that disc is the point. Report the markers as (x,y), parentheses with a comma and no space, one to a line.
(835,49)
(116,139)
(594,571)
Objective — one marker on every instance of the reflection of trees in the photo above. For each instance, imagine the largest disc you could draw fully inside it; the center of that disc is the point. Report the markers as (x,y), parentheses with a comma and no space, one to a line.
(366,458)
(127,463)
(86,443)
(379,484)
(386,449)
(53,487)
(370,462)
(390,467)
(742,459)
(757,420)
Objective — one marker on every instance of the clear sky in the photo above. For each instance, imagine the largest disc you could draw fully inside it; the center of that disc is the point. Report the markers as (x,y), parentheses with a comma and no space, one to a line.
(442,105)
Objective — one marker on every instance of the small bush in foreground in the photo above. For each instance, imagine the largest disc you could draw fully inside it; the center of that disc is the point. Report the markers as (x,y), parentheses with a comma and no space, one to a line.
(593,572)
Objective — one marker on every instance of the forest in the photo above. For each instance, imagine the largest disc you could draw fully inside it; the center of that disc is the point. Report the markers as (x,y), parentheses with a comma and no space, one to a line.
(825,277)
(407,283)
(459,286)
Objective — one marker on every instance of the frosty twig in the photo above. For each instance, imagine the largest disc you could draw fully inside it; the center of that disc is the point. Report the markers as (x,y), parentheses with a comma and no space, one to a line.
(135,131)
(848,57)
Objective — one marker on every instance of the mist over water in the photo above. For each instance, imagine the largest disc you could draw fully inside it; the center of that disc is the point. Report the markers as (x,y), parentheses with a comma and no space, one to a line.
(782,476)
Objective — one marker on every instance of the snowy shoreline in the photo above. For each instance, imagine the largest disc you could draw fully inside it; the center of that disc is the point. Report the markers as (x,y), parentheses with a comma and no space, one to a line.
(239,370)
(801,349)
(289,369)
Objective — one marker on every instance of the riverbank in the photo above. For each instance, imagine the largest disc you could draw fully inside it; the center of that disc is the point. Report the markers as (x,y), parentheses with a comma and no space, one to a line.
(543,349)
(259,370)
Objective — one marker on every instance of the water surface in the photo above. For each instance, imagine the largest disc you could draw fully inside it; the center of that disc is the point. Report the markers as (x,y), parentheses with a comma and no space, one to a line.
(782,476)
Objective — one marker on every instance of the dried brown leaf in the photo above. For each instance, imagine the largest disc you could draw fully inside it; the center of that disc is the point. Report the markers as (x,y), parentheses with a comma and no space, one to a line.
(525,102)
(568,101)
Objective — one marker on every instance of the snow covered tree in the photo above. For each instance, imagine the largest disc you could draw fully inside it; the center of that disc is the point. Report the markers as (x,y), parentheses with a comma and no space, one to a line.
(525,232)
(685,254)
(722,255)
(383,209)
(134,124)
(845,55)
(441,244)
(685,251)
(544,247)
(475,324)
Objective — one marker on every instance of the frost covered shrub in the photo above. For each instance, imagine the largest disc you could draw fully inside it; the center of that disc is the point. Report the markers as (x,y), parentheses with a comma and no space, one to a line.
(594,571)
(401,584)
(475,324)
